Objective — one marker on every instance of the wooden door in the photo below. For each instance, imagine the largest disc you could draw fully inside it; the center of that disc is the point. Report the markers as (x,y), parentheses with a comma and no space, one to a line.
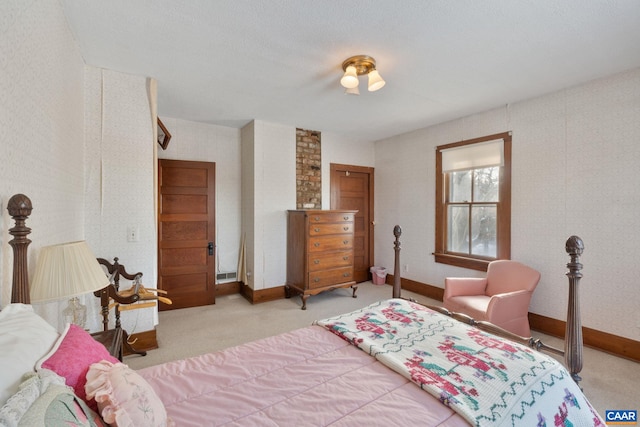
(186,232)
(352,188)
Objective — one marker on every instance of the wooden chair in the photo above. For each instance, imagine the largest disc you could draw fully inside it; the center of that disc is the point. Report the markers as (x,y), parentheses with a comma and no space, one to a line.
(116,270)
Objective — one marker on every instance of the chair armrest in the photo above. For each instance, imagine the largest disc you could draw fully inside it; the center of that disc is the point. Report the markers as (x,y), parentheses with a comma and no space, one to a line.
(459,286)
(506,306)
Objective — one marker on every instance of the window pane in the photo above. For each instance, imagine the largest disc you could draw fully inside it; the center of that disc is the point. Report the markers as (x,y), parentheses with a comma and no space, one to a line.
(486,184)
(460,186)
(483,230)
(458,233)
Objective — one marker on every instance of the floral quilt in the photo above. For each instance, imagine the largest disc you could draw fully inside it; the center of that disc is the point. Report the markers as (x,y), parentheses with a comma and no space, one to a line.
(486,379)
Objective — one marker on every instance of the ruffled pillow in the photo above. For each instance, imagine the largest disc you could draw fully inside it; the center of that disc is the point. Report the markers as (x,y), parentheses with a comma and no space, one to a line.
(125,399)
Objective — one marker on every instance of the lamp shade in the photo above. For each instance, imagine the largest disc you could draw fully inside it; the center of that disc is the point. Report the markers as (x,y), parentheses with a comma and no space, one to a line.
(66,270)
(375,81)
(350,78)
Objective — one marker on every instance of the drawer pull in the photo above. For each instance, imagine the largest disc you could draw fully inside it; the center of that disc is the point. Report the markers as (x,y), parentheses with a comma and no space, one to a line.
(317,279)
(346,275)
(346,218)
(316,261)
(316,244)
(316,218)
(346,228)
(317,230)
(346,242)
(345,258)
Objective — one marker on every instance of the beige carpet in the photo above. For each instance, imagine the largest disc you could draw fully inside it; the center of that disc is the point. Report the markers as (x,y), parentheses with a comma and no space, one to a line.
(608,381)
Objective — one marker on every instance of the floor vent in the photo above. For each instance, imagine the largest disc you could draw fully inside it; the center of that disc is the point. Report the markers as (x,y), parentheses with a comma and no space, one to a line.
(230,276)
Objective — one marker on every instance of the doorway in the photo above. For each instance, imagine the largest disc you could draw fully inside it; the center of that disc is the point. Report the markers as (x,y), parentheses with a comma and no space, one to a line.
(352,188)
(186,232)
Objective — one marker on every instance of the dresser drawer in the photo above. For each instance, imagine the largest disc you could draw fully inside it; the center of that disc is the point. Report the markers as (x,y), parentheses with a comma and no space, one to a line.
(330,243)
(330,228)
(318,218)
(324,261)
(324,278)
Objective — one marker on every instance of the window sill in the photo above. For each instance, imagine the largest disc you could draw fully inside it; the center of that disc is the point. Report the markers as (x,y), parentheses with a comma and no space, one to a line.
(459,261)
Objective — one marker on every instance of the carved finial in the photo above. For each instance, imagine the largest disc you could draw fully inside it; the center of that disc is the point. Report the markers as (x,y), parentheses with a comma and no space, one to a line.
(574,248)
(574,245)
(397,231)
(19,206)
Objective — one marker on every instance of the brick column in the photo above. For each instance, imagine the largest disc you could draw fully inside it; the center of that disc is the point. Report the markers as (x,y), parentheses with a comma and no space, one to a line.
(308,170)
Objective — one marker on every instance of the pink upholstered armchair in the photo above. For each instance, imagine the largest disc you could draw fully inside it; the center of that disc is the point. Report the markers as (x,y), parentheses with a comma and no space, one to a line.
(501,298)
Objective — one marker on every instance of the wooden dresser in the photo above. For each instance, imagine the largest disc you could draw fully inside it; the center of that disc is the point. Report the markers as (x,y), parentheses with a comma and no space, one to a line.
(319,252)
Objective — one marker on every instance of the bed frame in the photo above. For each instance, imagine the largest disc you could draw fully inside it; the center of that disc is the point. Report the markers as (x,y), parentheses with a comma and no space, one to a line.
(20,207)
(573,343)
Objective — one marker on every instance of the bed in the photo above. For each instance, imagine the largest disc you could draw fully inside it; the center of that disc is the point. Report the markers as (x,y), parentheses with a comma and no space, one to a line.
(394,362)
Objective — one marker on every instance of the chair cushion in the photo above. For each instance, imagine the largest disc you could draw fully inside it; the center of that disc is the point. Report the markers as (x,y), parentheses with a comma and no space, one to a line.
(474,306)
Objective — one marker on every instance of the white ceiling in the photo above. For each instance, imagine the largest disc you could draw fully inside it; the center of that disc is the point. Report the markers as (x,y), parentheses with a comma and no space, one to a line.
(228,62)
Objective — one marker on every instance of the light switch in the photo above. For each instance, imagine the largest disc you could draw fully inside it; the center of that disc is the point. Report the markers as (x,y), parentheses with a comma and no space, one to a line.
(133,234)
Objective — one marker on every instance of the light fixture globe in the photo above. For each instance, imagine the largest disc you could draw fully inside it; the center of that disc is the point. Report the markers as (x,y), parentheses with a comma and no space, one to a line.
(357,66)
(375,81)
(352,91)
(350,78)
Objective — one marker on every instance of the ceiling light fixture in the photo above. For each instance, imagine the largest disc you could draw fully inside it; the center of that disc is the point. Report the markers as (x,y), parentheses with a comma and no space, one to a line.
(357,66)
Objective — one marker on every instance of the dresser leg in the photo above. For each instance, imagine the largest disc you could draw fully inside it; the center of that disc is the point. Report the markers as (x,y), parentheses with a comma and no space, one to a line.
(304,301)
(355,288)
(287,291)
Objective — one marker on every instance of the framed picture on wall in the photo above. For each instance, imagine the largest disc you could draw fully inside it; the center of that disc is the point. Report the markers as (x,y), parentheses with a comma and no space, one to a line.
(163,135)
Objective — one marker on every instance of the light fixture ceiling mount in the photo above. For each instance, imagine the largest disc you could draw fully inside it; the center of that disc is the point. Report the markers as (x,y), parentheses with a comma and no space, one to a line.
(360,65)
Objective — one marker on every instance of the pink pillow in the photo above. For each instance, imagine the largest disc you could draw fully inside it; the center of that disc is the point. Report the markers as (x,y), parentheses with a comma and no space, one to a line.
(125,399)
(71,357)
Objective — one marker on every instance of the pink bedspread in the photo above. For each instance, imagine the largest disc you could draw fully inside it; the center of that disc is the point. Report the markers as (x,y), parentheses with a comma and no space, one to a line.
(308,377)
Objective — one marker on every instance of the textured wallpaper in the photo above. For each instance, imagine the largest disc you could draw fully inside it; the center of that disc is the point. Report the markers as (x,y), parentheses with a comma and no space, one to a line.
(575,155)
(50,103)
(119,171)
(41,118)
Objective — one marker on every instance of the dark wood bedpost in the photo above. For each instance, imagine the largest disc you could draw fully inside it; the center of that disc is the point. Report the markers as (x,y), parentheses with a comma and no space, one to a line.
(573,333)
(397,231)
(19,208)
